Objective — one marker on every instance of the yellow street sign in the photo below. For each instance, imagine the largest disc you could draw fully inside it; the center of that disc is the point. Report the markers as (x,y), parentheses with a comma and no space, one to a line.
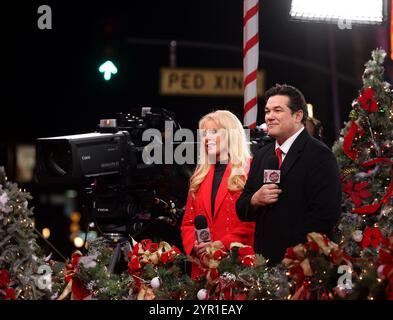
(206,82)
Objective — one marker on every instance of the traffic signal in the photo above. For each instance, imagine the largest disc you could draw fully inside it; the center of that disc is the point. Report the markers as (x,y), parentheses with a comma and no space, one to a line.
(107,69)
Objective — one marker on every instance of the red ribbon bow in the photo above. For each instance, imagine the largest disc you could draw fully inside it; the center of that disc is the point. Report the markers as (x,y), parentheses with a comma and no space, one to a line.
(367,100)
(246,255)
(348,140)
(78,289)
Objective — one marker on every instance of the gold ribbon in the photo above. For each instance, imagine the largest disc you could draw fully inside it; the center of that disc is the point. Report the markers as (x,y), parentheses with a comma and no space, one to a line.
(153,254)
(300,267)
(145,293)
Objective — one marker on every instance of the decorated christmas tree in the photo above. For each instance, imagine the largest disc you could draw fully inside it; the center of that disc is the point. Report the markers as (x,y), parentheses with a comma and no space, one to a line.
(358,263)
(364,153)
(20,262)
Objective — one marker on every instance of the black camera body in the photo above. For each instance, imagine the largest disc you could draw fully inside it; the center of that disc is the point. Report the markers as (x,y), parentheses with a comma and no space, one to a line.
(258,139)
(74,158)
(121,193)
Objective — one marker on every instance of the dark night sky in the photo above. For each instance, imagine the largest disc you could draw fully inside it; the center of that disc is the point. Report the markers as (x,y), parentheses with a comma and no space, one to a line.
(52,85)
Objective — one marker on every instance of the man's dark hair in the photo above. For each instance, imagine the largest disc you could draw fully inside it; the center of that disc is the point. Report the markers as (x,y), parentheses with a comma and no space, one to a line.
(296,98)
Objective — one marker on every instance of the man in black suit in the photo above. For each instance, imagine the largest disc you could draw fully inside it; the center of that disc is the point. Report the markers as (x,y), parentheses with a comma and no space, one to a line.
(308,197)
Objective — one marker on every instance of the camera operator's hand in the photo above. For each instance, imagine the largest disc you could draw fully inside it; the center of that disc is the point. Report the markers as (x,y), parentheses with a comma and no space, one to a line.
(267,194)
(200,248)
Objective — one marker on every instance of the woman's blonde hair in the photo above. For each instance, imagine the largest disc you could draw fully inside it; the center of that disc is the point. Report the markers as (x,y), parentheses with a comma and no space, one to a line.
(238,151)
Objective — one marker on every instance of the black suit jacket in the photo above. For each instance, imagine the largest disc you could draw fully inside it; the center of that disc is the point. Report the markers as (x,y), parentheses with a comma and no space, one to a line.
(310,199)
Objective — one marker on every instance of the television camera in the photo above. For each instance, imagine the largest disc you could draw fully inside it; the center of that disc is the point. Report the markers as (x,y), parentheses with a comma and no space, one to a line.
(122,195)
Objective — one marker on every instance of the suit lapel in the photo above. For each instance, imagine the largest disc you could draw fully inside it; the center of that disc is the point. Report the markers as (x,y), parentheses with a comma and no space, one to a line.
(206,193)
(294,153)
(222,190)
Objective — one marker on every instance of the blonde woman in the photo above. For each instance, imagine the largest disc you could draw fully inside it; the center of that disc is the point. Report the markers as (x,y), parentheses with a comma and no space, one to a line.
(217,183)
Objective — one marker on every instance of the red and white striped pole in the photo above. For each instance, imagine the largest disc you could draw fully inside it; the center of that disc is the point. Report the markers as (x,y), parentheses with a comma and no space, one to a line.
(250,61)
(391,30)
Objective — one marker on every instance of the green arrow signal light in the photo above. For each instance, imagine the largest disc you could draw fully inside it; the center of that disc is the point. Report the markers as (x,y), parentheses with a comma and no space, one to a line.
(107,68)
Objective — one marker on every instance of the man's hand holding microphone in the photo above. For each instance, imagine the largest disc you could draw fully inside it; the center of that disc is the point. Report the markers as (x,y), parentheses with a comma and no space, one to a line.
(270,190)
(266,195)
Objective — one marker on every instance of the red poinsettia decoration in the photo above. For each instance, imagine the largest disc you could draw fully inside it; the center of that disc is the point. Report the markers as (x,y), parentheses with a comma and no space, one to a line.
(72,266)
(219,254)
(357,191)
(9,293)
(213,274)
(246,255)
(78,289)
(239,296)
(134,264)
(367,100)
(312,245)
(386,260)
(170,255)
(246,251)
(4,278)
(372,237)
(385,269)
(145,245)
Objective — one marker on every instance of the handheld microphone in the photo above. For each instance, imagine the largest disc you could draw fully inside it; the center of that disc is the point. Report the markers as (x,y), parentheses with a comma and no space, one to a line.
(273,174)
(202,231)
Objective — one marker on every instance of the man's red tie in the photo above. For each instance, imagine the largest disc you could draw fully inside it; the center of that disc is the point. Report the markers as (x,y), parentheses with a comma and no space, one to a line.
(279,157)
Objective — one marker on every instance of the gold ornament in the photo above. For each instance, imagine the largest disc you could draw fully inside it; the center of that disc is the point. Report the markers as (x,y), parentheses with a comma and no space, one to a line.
(353,115)
(348,170)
